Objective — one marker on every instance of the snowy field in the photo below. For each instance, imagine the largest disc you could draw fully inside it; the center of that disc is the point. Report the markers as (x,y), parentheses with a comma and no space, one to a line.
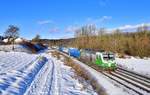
(141,66)
(41,74)
(17,48)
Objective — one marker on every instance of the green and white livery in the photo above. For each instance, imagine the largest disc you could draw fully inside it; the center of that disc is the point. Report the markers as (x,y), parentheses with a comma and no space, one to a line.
(106,60)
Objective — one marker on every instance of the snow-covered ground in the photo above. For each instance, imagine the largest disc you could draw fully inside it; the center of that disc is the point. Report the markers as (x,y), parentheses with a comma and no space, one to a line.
(141,66)
(58,79)
(17,48)
(41,74)
(15,60)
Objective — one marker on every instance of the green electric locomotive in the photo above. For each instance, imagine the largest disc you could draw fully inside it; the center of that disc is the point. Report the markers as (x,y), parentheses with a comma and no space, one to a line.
(106,60)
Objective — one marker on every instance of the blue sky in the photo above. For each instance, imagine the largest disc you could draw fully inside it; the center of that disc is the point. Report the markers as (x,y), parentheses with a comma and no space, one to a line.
(57,18)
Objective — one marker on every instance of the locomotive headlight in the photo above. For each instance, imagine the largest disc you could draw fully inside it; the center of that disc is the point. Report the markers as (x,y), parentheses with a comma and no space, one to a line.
(109,64)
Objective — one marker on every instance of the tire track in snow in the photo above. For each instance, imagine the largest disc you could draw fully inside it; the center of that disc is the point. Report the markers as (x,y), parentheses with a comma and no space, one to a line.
(51,80)
(57,78)
(54,87)
(48,82)
(47,87)
(38,86)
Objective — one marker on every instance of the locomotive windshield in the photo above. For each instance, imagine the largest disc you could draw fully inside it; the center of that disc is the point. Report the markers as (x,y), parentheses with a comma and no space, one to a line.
(108,56)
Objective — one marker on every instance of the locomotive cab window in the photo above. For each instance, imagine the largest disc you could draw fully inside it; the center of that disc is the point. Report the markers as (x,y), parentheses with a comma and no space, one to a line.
(108,56)
(105,57)
(111,56)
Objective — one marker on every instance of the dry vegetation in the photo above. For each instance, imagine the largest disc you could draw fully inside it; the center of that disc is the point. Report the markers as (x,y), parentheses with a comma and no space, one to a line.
(33,47)
(81,72)
(56,54)
(130,43)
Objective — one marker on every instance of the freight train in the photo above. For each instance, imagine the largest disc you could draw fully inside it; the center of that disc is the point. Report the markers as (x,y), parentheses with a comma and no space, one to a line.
(105,60)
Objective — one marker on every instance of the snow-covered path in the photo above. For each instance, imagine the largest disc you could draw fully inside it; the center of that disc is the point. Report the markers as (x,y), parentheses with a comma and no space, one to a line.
(41,74)
(42,83)
(46,82)
(55,78)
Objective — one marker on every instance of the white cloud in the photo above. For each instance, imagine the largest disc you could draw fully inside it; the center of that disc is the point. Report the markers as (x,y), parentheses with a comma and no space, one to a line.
(101,20)
(42,22)
(54,29)
(88,21)
(71,28)
(105,18)
(127,27)
(67,36)
(103,2)
(130,27)
(133,26)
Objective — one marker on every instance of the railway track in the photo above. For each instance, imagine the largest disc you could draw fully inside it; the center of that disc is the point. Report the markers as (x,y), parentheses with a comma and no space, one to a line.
(135,82)
(130,80)
(133,74)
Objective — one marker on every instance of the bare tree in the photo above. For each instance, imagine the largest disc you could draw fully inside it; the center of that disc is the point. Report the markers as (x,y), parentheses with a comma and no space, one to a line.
(143,28)
(11,34)
(101,31)
(83,35)
(36,38)
(87,30)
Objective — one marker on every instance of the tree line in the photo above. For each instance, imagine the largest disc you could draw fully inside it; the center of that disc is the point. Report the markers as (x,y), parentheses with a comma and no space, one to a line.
(135,43)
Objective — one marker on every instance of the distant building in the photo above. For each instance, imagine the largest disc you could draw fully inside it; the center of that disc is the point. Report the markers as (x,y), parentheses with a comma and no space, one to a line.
(19,40)
(1,40)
